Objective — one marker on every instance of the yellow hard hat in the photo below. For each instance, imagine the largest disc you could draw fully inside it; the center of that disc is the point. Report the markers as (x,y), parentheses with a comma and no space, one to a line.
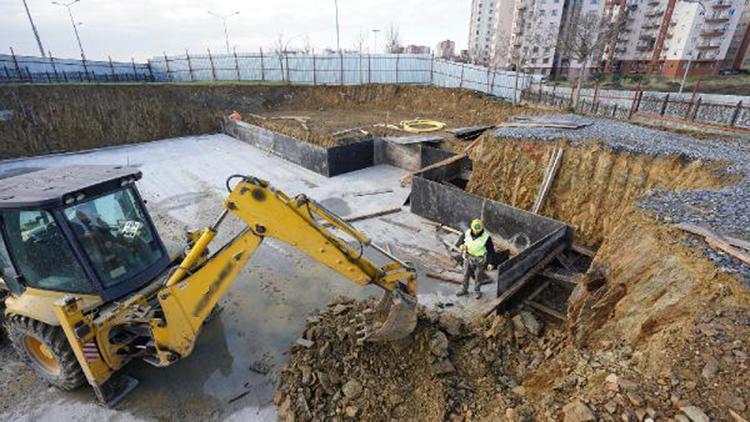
(477,226)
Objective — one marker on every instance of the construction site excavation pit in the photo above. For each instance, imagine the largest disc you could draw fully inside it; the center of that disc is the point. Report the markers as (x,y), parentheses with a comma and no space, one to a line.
(239,356)
(608,306)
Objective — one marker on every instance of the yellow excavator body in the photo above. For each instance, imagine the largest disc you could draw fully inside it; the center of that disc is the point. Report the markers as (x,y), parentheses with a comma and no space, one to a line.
(156,310)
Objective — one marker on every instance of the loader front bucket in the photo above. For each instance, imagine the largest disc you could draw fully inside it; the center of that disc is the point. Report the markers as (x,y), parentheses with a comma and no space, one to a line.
(394,317)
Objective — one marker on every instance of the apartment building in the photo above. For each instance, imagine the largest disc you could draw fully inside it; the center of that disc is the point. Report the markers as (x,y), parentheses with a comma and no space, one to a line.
(670,37)
(666,37)
(417,49)
(481,31)
(445,49)
(737,51)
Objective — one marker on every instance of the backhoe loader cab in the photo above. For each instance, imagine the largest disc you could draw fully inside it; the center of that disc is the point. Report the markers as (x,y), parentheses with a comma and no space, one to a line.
(80,230)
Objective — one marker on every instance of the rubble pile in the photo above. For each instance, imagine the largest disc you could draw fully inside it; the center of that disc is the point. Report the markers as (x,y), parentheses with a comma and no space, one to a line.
(445,370)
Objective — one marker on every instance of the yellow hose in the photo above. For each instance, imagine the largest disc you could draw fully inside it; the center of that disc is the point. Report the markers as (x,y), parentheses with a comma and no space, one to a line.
(421,126)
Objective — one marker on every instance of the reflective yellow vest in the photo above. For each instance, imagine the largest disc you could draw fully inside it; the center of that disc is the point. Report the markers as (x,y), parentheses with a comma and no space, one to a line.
(476,247)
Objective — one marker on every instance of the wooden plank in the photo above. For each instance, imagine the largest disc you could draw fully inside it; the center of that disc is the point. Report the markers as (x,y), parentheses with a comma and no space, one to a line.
(550,174)
(407,179)
(470,131)
(366,216)
(450,160)
(583,250)
(562,259)
(491,306)
(546,309)
(443,277)
(560,277)
(716,241)
(415,139)
(539,290)
(546,124)
(705,232)
(443,227)
(372,192)
(402,225)
(372,214)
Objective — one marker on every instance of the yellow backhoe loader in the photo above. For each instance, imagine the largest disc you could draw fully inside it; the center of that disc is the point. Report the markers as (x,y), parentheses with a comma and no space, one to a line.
(90,285)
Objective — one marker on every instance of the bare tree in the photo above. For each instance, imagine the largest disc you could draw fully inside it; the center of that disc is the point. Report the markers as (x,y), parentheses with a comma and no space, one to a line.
(585,39)
(392,40)
(360,41)
(517,53)
(307,47)
(280,47)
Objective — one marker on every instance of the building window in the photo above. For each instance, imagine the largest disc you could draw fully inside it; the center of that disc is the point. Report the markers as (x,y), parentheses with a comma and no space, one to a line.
(554,12)
(545,60)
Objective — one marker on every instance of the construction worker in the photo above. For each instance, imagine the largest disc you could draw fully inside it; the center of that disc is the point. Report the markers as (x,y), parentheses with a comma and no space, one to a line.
(478,250)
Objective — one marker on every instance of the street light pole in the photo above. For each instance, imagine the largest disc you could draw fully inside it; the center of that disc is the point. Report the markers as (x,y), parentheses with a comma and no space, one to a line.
(224,19)
(685,75)
(375,31)
(73,22)
(33,28)
(338,39)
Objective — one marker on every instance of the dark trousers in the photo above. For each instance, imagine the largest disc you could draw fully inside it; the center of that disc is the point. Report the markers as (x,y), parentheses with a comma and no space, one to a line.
(474,267)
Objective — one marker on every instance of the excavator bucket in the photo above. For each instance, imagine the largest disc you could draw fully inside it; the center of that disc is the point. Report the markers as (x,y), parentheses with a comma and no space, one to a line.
(394,317)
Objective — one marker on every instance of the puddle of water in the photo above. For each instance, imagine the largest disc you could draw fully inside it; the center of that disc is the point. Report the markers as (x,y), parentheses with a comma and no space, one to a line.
(337,205)
(263,314)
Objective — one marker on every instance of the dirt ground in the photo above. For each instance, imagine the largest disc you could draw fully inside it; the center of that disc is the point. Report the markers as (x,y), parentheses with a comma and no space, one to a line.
(326,112)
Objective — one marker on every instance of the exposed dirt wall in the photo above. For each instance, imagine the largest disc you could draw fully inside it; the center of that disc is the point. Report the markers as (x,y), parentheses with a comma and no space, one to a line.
(595,186)
(667,320)
(62,118)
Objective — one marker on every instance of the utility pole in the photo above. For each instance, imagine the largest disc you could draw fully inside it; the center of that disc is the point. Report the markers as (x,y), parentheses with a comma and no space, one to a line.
(338,39)
(375,31)
(33,28)
(224,20)
(73,22)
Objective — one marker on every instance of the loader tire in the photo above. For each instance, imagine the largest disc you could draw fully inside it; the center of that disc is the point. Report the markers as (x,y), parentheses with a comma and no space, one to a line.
(45,349)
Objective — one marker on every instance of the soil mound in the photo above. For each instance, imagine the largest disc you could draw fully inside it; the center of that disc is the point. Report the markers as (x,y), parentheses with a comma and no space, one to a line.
(446,370)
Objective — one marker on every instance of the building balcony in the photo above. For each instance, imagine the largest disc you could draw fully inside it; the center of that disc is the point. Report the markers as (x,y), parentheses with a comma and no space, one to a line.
(654,3)
(712,33)
(706,47)
(655,13)
(646,37)
(717,19)
(651,26)
(721,5)
(643,48)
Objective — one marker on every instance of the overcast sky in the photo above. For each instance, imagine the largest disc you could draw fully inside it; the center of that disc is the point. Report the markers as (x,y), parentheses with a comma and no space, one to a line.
(143,28)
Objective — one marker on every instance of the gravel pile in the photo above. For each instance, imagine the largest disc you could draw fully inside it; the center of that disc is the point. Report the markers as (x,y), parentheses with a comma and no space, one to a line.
(726,211)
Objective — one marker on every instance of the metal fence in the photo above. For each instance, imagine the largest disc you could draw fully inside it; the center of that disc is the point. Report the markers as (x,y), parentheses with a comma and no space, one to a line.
(691,108)
(32,69)
(290,68)
(338,69)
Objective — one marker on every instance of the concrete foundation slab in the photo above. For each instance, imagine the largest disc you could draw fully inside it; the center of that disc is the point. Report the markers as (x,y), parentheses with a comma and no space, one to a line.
(183,182)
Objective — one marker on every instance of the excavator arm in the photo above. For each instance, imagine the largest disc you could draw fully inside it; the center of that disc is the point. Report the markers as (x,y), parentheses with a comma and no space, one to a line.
(161,322)
(196,286)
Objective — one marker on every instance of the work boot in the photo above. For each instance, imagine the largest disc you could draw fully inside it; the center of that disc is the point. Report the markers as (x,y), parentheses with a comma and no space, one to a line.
(478,294)
(462,292)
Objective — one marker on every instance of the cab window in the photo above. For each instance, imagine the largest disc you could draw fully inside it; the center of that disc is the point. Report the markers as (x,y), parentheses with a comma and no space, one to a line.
(116,236)
(40,252)
(7,273)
